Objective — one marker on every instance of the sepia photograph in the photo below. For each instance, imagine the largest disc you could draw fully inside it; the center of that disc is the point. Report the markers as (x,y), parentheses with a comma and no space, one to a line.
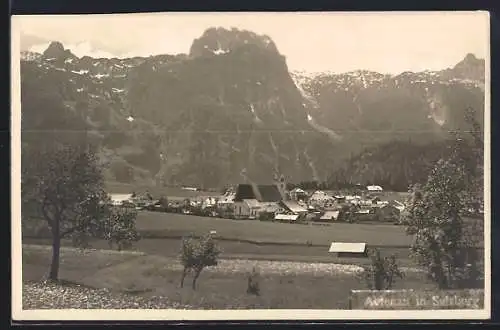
(251,166)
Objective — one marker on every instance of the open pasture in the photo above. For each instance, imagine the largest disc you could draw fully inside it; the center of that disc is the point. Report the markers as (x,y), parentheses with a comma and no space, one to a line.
(154,224)
(157,192)
(284,285)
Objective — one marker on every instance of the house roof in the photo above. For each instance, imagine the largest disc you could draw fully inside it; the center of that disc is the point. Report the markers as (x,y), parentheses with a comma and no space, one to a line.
(252,203)
(120,197)
(292,217)
(262,193)
(269,207)
(321,195)
(293,206)
(336,247)
(386,206)
(330,215)
(269,193)
(244,191)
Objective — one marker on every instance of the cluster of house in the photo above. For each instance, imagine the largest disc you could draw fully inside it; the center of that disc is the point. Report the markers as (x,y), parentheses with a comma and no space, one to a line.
(252,201)
(274,202)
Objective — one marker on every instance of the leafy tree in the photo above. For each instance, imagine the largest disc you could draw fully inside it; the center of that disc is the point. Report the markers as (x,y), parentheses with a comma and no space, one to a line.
(163,201)
(119,227)
(348,213)
(443,243)
(63,184)
(382,272)
(197,255)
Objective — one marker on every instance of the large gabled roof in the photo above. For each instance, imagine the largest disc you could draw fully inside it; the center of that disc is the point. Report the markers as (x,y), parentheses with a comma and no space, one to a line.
(244,191)
(262,193)
(269,193)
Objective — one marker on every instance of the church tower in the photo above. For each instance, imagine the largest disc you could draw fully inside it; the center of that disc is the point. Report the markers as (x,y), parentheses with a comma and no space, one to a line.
(280,182)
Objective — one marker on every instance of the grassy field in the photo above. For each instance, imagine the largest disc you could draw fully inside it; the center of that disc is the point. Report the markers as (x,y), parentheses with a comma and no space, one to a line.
(157,192)
(257,240)
(240,250)
(284,285)
(171,224)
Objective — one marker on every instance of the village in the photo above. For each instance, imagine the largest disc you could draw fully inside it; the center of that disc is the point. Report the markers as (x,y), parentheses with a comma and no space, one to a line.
(273,202)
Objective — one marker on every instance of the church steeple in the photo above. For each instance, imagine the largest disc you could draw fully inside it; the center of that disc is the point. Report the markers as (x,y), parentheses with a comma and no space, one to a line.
(280,182)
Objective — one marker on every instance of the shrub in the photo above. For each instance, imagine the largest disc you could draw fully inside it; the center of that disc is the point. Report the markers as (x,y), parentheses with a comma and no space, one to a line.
(120,228)
(253,286)
(382,272)
(266,216)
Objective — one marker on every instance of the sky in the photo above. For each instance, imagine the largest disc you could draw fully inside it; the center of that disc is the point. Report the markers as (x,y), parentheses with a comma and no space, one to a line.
(311,42)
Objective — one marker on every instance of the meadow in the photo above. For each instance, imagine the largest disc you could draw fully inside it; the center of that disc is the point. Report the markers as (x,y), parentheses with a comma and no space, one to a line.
(157,192)
(297,272)
(284,285)
(156,224)
(258,240)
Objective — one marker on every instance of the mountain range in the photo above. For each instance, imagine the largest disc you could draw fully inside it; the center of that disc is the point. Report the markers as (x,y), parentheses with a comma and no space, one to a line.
(230,110)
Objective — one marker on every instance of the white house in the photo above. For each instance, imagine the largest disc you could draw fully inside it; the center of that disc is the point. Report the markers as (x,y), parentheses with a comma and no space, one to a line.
(286,217)
(227,199)
(119,199)
(292,207)
(374,188)
(297,194)
(209,202)
(330,216)
(397,204)
(320,198)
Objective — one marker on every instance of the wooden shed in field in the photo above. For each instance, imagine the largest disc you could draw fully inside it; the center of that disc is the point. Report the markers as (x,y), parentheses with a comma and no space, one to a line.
(349,250)
(286,217)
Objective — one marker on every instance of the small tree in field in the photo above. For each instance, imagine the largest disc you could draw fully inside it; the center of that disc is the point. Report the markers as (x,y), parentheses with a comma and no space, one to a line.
(64,185)
(382,273)
(196,255)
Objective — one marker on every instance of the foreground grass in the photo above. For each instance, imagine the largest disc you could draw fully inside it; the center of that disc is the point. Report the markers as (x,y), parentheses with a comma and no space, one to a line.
(284,285)
(47,295)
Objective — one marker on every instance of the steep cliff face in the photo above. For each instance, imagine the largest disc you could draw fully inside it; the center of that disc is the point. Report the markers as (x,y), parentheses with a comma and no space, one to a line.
(369,108)
(230,110)
(227,110)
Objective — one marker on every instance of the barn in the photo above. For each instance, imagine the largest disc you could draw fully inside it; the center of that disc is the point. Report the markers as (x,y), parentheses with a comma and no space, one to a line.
(286,217)
(330,216)
(349,250)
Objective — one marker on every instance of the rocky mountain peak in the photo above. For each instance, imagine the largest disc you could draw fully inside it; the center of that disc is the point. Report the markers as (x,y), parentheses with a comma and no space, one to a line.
(56,50)
(220,41)
(470,67)
(230,111)
(470,58)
